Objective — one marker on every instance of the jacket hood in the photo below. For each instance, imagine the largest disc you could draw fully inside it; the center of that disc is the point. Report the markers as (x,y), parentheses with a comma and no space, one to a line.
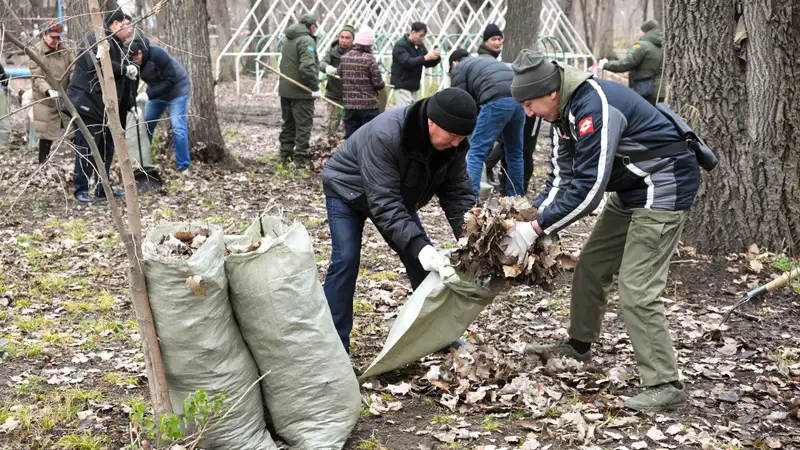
(571,78)
(653,36)
(297,30)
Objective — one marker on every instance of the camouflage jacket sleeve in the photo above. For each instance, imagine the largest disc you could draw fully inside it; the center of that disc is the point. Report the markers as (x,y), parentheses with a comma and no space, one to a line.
(631,61)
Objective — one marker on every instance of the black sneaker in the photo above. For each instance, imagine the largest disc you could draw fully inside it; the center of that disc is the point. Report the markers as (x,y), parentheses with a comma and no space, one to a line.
(83,197)
(101,195)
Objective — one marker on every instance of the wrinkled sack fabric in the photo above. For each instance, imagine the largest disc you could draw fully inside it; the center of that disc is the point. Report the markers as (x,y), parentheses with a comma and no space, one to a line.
(309,387)
(200,342)
(434,316)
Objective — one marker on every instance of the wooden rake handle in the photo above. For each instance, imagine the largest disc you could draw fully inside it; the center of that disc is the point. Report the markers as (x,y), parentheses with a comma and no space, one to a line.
(298,84)
(783,280)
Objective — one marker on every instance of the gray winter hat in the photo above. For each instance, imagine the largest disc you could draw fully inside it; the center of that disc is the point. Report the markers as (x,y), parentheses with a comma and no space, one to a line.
(535,75)
(308,19)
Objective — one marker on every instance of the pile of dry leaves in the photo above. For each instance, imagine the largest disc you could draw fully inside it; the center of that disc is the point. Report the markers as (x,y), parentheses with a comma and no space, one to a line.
(183,243)
(322,149)
(480,253)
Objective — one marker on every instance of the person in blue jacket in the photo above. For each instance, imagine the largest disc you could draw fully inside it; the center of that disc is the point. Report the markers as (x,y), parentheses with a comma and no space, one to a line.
(168,88)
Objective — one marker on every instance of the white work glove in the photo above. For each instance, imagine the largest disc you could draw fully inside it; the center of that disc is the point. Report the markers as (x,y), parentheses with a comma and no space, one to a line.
(131,71)
(601,63)
(518,240)
(142,98)
(430,259)
(52,93)
(101,51)
(316,94)
(330,70)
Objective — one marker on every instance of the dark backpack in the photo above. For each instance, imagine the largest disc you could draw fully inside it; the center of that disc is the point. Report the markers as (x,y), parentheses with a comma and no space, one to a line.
(705,156)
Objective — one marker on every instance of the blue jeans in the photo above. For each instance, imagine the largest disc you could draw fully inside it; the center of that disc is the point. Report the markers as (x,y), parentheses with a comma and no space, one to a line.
(178,116)
(506,117)
(84,162)
(347,226)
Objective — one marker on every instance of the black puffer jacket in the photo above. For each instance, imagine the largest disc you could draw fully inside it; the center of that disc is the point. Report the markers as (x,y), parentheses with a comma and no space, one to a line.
(84,87)
(407,63)
(165,76)
(484,79)
(387,169)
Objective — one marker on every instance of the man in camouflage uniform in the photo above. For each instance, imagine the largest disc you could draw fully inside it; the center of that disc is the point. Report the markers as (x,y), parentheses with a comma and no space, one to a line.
(644,61)
(300,63)
(330,66)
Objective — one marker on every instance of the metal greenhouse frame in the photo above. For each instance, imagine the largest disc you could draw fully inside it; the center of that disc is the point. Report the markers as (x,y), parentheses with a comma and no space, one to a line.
(451,24)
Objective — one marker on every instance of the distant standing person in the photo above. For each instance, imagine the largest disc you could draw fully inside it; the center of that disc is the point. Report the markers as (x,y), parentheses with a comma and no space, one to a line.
(330,65)
(299,62)
(488,82)
(168,88)
(48,122)
(409,57)
(85,93)
(361,79)
(644,61)
(492,42)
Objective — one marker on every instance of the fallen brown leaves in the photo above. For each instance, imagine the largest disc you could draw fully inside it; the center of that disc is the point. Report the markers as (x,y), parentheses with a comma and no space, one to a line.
(183,244)
(322,149)
(480,252)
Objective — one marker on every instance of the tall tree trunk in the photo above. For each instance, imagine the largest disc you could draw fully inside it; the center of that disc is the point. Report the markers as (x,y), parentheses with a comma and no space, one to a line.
(748,114)
(645,10)
(658,11)
(187,33)
(604,30)
(566,6)
(522,27)
(222,19)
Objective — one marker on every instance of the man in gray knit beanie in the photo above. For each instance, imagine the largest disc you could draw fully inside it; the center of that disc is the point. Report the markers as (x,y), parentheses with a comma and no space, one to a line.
(608,138)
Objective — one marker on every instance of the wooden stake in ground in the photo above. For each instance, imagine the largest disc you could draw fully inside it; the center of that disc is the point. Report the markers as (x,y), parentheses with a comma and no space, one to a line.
(132,237)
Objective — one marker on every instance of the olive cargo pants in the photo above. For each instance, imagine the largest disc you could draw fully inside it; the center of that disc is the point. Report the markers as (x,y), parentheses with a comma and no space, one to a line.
(638,243)
(298,118)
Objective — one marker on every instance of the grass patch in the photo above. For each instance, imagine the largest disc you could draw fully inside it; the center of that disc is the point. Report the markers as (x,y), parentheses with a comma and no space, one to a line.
(76,230)
(121,379)
(29,324)
(52,284)
(313,222)
(489,423)
(442,419)
(85,441)
(361,306)
(371,444)
(382,276)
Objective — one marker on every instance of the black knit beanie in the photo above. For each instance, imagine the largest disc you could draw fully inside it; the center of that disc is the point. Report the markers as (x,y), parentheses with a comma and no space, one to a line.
(457,55)
(453,110)
(491,31)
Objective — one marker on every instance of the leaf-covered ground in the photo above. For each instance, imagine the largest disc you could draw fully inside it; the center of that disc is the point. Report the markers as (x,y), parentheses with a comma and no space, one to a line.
(70,356)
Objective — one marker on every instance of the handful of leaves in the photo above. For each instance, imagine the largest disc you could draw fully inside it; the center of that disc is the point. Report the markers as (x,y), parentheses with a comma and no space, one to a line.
(183,243)
(479,251)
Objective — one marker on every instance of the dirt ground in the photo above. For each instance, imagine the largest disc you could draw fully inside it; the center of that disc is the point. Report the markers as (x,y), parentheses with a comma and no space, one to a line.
(70,357)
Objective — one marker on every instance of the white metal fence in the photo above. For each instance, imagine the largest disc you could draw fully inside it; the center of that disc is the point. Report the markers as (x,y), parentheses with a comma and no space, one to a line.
(451,24)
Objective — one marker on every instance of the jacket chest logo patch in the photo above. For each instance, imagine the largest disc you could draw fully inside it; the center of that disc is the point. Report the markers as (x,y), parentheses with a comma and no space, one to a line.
(585,126)
(311,48)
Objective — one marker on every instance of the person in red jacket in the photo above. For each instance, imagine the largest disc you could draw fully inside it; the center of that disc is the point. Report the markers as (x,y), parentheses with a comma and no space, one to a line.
(361,81)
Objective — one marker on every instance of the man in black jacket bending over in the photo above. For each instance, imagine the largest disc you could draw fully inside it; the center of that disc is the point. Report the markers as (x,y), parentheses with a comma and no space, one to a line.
(386,171)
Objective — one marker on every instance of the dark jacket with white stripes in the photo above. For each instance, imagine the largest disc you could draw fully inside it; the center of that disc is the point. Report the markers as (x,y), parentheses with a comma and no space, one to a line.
(485,79)
(602,123)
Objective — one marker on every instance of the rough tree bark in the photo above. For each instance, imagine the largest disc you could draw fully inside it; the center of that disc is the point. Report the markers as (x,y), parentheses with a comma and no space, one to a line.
(566,6)
(645,10)
(522,27)
(749,115)
(604,30)
(187,33)
(222,19)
